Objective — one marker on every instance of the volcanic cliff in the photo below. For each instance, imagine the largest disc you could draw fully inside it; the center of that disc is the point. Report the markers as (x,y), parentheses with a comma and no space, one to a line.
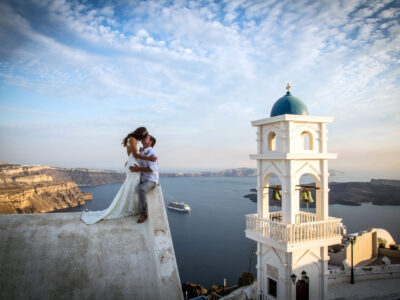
(38,189)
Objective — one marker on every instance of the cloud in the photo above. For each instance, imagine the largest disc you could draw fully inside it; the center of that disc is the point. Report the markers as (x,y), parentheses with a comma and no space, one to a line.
(202,70)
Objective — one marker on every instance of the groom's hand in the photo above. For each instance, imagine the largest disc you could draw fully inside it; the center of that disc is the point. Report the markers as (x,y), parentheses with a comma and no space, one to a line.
(134,168)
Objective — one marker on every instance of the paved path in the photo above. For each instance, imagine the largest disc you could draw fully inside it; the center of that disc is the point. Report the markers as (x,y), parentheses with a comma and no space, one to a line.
(388,289)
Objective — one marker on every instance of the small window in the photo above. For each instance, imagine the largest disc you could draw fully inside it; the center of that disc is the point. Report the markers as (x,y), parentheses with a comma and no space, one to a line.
(271,141)
(272,288)
(307,140)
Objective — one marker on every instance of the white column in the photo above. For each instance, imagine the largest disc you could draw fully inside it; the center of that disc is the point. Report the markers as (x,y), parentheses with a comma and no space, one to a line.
(290,287)
(285,127)
(323,204)
(290,197)
(265,197)
(323,138)
(260,190)
(293,146)
(324,272)
(259,269)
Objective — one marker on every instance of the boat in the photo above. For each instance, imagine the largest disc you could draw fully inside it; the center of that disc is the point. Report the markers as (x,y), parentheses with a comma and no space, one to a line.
(179,206)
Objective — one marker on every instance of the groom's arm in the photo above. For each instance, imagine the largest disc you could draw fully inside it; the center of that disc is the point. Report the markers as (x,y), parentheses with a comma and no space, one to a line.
(136,168)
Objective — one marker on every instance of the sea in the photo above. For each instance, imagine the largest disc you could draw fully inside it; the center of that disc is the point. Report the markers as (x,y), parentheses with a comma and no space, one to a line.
(209,242)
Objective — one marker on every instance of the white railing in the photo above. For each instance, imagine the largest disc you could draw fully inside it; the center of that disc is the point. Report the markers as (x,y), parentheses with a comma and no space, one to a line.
(305,217)
(294,233)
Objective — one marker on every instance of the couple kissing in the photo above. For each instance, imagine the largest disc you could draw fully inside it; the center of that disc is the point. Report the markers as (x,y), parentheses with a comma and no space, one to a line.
(141,170)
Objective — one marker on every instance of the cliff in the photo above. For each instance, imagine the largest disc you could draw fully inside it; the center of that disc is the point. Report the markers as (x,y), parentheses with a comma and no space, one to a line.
(31,189)
(81,176)
(41,197)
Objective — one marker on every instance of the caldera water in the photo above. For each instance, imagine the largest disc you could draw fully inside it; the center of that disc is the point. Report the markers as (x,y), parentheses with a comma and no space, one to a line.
(209,242)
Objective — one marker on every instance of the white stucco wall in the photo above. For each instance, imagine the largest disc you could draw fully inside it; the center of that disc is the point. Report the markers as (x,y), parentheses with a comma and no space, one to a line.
(57,256)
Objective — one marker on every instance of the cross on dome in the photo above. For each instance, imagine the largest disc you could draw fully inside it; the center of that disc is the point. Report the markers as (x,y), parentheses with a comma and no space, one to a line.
(288,104)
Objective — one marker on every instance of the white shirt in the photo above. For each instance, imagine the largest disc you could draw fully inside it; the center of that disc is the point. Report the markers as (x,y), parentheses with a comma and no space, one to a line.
(153,165)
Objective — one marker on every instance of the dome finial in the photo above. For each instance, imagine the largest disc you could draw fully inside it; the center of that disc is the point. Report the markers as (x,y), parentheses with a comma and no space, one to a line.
(288,87)
(288,105)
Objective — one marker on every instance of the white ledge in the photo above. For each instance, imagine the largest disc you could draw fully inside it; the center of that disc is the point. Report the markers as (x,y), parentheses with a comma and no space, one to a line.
(294,118)
(280,155)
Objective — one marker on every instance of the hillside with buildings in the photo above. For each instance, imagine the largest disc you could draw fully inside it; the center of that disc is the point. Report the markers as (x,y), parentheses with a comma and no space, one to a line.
(238,172)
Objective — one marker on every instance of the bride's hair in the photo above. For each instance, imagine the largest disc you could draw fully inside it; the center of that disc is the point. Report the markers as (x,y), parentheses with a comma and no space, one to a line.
(139,134)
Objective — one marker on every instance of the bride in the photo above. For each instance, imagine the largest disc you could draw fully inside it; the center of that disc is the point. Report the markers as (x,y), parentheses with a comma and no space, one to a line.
(124,202)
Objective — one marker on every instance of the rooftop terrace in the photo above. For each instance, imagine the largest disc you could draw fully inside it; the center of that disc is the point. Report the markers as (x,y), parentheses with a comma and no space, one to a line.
(57,256)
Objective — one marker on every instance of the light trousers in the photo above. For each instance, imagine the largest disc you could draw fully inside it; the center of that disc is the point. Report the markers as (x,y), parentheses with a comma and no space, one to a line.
(144,187)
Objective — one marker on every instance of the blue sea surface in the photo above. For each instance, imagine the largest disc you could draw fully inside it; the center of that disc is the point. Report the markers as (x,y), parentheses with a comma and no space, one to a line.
(209,242)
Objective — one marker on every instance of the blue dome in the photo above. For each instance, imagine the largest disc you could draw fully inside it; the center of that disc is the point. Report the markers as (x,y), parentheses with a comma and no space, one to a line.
(289,104)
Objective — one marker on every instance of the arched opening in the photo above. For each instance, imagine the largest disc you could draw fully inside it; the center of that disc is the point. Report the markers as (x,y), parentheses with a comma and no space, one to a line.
(272,197)
(307,138)
(271,141)
(309,192)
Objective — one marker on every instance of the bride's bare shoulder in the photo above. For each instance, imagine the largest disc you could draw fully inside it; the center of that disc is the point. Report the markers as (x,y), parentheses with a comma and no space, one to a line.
(131,142)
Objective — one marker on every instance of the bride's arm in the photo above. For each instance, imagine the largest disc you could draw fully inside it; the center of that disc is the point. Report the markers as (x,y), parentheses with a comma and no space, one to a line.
(133,146)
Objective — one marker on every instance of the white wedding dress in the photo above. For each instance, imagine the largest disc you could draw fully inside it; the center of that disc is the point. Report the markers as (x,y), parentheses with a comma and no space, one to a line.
(125,202)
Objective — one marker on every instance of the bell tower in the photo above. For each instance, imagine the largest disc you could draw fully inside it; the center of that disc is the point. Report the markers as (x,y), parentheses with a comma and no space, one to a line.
(292,245)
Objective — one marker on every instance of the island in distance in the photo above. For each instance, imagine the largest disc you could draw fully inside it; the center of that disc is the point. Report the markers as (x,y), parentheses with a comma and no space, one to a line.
(377,192)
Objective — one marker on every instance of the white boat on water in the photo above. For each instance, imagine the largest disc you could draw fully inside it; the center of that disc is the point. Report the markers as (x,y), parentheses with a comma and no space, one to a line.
(179,206)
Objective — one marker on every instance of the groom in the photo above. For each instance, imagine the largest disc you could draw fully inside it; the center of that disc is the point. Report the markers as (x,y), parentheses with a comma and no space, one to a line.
(149,176)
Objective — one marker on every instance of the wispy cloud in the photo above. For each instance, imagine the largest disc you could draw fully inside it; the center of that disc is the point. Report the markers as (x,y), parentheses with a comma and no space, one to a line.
(200,70)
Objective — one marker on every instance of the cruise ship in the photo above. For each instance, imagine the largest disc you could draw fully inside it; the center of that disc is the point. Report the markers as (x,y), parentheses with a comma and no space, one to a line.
(179,206)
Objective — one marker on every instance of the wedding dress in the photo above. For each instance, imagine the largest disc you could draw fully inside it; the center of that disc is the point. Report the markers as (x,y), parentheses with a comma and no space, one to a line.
(125,202)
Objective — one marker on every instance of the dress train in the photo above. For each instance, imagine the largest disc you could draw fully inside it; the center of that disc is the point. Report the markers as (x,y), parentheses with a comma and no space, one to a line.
(126,201)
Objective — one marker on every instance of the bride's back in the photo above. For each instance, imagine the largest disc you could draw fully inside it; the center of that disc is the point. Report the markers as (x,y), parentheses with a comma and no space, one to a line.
(129,149)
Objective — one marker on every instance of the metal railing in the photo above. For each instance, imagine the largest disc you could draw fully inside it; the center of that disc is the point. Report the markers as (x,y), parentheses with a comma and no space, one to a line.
(275,216)
(301,217)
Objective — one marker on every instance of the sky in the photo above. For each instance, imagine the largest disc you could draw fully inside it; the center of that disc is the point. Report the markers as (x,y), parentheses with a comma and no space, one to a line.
(78,76)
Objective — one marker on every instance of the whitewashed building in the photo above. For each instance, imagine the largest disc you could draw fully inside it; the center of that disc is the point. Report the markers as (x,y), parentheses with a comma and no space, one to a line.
(292,244)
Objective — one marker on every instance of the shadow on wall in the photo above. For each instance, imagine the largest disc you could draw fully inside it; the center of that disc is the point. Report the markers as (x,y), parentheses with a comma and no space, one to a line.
(365,248)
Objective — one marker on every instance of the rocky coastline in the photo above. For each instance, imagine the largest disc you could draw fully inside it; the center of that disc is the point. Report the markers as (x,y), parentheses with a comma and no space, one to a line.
(41,197)
(37,189)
